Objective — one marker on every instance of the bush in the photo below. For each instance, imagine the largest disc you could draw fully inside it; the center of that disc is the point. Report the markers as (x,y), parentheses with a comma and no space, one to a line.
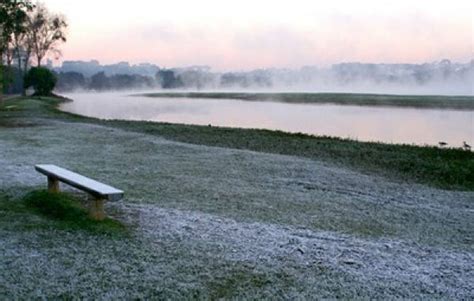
(67,211)
(41,79)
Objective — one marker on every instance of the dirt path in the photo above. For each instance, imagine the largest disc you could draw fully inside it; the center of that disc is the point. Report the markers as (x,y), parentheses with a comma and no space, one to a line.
(387,264)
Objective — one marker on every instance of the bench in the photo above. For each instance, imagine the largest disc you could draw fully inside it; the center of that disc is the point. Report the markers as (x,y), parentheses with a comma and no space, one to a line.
(101,192)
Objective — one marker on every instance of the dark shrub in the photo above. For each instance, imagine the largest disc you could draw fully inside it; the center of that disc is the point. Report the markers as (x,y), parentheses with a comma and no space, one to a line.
(41,79)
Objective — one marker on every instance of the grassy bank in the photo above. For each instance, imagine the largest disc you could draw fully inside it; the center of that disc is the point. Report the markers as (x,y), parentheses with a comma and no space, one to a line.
(414,101)
(443,168)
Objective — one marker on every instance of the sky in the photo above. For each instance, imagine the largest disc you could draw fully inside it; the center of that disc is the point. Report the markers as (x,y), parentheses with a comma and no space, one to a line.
(249,34)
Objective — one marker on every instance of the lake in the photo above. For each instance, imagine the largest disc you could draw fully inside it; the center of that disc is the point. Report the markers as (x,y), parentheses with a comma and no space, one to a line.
(364,123)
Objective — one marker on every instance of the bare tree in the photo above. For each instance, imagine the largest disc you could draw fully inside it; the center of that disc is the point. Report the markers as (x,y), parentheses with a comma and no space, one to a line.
(47,32)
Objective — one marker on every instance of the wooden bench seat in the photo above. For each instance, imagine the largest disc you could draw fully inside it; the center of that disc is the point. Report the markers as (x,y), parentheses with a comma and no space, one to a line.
(100,191)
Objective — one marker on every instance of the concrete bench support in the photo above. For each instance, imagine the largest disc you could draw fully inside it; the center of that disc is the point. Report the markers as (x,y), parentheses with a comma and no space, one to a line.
(100,192)
(96,209)
(53,184)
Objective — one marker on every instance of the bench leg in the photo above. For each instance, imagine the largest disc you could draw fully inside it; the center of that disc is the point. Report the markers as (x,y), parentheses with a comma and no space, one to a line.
(96,210)
(53,185)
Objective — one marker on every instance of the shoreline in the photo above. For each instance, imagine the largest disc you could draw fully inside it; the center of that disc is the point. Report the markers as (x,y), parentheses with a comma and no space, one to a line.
(380,124)
(445,168)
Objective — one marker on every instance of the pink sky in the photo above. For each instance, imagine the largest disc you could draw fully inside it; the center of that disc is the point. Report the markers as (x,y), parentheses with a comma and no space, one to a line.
(247,34)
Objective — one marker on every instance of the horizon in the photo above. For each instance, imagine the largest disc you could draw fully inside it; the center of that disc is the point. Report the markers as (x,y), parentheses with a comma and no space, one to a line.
(279,34)
(92,60)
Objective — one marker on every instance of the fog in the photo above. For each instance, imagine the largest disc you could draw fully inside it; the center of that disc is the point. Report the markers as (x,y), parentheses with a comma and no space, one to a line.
(436,78)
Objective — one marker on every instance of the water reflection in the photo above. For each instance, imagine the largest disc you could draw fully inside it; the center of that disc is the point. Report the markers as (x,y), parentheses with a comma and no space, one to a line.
(387,124)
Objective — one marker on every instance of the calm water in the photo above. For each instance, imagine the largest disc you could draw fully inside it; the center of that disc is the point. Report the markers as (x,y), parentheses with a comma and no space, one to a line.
(387,124)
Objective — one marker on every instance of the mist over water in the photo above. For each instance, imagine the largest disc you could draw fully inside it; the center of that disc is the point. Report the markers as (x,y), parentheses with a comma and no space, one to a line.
(384,124)
(435,78)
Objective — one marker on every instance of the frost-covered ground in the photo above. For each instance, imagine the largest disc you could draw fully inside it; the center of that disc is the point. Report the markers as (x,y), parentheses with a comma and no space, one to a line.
(215,222)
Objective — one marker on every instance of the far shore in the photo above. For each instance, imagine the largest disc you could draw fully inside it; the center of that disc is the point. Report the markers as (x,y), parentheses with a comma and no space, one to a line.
(410,101)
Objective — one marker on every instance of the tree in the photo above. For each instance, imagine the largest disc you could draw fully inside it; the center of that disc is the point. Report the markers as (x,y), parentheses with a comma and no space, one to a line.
(27,30)
(47,32)
(99,82)
(8,55)
(42,80)
(168,79)
(22,48)
(70,81)
(13,14)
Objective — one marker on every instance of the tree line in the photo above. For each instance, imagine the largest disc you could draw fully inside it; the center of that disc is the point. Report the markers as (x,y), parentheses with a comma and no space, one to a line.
(163,79)
(28,34)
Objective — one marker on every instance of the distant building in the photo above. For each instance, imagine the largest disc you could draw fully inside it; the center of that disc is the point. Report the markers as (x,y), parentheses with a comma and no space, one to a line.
(93,67)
